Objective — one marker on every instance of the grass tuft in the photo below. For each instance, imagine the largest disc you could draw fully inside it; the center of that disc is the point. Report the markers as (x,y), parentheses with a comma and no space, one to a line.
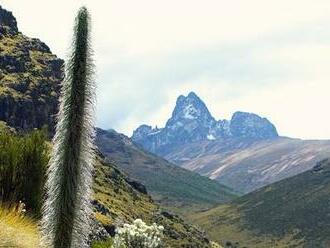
(17,230)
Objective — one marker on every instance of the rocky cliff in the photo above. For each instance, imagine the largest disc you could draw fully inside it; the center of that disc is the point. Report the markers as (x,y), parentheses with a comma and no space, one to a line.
(30,77)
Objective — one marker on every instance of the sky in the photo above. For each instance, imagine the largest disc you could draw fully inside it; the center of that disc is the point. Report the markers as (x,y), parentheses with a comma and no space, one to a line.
(269,57)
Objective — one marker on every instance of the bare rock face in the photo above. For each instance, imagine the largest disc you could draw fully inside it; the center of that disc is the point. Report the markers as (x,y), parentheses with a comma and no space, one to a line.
(250,125)
(8,24)
(30,77)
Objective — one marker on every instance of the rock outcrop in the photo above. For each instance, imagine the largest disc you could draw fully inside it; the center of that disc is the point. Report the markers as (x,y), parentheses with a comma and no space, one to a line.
(30,77)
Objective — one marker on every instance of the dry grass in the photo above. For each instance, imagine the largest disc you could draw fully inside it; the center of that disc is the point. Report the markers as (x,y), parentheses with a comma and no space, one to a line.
(17,230)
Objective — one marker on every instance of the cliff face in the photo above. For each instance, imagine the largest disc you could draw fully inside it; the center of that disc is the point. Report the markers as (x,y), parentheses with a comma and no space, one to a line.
(30,77)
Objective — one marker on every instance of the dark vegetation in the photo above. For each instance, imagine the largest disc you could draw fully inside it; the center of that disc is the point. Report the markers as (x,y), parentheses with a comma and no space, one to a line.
(23,162)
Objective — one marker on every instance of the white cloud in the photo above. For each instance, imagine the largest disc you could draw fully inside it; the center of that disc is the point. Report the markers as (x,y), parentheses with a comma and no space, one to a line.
(268,57)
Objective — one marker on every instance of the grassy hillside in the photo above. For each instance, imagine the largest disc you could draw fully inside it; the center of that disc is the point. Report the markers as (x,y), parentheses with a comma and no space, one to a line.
(169,184)
(120,200)
(294,212)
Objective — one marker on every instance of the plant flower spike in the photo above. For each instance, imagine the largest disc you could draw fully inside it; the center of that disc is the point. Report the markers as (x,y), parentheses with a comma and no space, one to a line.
(67,211)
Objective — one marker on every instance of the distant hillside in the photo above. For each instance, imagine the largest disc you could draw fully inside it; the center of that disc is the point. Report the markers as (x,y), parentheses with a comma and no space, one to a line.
(167,183)
(248,164)
(29,78)
(294,212)
(244,153)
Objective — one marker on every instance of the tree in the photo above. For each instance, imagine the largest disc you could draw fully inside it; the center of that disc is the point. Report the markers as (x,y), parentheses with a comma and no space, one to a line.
(66,212)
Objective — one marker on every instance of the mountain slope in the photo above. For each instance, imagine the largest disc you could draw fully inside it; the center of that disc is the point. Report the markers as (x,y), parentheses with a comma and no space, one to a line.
(294,212)
(29,78)
(248,164)
(244,153)
(118,199)
(167,183)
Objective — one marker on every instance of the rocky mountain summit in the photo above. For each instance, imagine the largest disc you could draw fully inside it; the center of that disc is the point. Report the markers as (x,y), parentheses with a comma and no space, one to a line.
(30,77)
(191,121)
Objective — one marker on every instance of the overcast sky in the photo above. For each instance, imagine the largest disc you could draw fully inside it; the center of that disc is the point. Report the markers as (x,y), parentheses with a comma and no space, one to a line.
(270,57)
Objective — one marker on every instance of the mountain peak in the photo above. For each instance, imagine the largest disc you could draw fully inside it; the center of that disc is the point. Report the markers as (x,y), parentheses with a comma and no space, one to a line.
(189,107)
(250,125)
(8,24)
(192,95)
(191,121)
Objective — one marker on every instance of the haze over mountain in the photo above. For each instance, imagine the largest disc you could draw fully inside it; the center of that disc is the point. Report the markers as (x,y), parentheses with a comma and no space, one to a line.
(244,153)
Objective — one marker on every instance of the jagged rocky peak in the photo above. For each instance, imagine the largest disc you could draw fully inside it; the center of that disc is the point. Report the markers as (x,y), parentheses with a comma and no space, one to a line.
(190,108)
(244,124)
(142,131)
(8,24)
(191,121)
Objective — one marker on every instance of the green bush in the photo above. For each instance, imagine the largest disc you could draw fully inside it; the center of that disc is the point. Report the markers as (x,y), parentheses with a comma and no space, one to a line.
(23,161)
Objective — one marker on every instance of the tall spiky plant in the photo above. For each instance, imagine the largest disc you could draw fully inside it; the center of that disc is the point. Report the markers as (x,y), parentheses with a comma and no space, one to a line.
(67,211)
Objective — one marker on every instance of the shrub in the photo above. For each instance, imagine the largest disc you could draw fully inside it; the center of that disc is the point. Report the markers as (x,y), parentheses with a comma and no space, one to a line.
(23,162)
(139,235)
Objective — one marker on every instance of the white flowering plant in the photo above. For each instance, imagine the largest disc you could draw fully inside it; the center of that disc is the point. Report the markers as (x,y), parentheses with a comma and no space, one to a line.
(139,235)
